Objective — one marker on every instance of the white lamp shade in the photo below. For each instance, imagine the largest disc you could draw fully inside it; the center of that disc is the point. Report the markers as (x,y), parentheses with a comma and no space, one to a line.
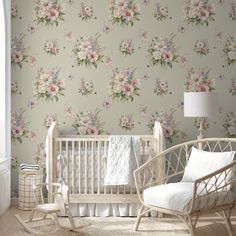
(200,104)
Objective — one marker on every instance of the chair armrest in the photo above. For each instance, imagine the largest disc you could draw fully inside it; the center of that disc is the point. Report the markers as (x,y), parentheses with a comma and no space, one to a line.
(213,186)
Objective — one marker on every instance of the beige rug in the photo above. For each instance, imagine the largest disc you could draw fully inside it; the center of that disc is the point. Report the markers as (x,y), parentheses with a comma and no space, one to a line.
(109,226)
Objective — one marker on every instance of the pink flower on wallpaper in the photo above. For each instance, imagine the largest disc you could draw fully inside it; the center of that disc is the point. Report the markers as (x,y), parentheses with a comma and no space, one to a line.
(88,123)
(68,111)
(107,61)
(19,126)
(230,50)
(168,123)
(201,47)
(87,51)
(161,12)
(51,47)
(40,155)
(19,53)
(182,28)
(32,103)
(69,36)
(161,87)
(124,12)
(143,110)
(182,61)
(49,85)
(123,85)
(221,2)
(230,124)
(163,51)
(143,35)
(232,13)
(49,12)
(199,12)
(33,136)
(107,27)
(126,47)
(145,2)
(107,103)
(86,87)
(49,119)
(126,122)
(86,12)
(31,28)
(198,80)
(146,76)
(32,61)
(219,36)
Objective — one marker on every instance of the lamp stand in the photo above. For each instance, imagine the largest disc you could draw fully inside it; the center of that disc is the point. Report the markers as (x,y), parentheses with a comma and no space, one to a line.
(200,136)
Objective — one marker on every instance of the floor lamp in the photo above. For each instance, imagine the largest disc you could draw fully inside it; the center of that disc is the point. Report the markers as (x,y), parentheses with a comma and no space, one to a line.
(200,105)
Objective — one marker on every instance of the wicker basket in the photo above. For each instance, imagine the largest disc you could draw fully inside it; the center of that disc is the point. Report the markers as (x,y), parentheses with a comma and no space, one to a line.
(26,193)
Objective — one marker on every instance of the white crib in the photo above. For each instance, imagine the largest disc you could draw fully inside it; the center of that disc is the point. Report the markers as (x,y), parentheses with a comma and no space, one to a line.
(80,161)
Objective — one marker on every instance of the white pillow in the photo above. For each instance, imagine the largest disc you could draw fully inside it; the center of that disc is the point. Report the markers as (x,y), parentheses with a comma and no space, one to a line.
(202,163)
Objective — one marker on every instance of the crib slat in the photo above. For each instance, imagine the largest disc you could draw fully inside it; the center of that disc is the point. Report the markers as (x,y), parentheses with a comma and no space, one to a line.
(67,168)
(73,167)
(86,168)
(92,182)
(79,174)
(105,164)
(98,156)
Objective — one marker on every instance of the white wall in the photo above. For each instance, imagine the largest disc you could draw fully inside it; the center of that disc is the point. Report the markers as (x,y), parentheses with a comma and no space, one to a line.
(5,107)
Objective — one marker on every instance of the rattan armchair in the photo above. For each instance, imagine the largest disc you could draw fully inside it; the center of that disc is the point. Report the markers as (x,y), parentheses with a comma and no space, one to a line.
(211,193)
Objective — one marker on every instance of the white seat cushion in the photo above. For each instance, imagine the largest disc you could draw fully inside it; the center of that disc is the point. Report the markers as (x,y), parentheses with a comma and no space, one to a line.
(177,197)
(202,163)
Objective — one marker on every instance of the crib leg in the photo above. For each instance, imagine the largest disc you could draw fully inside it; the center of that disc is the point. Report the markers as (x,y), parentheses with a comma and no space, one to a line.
(139,218)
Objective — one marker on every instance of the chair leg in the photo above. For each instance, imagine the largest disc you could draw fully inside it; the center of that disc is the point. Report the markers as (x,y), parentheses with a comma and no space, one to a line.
(226,217)
(56,221)
(139,218)
(71,220)
(190,223)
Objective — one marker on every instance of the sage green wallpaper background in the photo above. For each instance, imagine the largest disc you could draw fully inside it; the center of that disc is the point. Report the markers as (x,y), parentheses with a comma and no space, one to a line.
(116,66)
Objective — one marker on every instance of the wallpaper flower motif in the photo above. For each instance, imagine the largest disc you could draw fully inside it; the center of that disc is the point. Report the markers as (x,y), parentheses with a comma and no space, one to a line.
(230,50)
(87,51)
(126,122)
(201,47)
(51,47)
(124,86)
(19,53)
(124,12)
(163,51)
(14,12)
(232,13)
(40,155)
(88,122)
(49,119)
(49,85)
(205,123)
(199,12)
(232,89)
(168,123)
(126,47)
(19,126)
(86,12)
(14,87)
(86,87)
(49,12)
(161,12)
(161,87)
(198,80)
(230,124)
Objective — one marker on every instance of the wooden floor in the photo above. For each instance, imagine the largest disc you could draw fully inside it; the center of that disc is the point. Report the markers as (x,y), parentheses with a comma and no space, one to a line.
(102,226)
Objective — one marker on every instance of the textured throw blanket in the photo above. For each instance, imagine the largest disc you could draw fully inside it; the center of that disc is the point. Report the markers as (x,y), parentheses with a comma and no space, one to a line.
(123,159)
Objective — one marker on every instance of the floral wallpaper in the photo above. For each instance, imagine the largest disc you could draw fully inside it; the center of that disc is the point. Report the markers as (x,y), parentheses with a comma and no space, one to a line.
(116,66)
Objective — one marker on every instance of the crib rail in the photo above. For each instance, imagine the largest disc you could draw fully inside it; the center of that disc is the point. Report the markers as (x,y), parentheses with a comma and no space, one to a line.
(80,162)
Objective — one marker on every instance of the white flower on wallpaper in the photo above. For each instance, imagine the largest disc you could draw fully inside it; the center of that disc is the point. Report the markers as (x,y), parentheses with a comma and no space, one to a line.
(126,122)
(232,13)
(126,47)
(161,12)
(232,89)
(49,12)
(205,123)
(230,50)
(49,119)
(168,123)
(51,47)
(19,52)
(123,84)
(49,85)
(40,155)
(199,80)
(19,126)
(88,123)
(199,12)
(163,51)
(124,12)
(14,11)
(86,12)
(86,87)
(230,124)
(14,87)
(201,47)
(87,51)
(161,87)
